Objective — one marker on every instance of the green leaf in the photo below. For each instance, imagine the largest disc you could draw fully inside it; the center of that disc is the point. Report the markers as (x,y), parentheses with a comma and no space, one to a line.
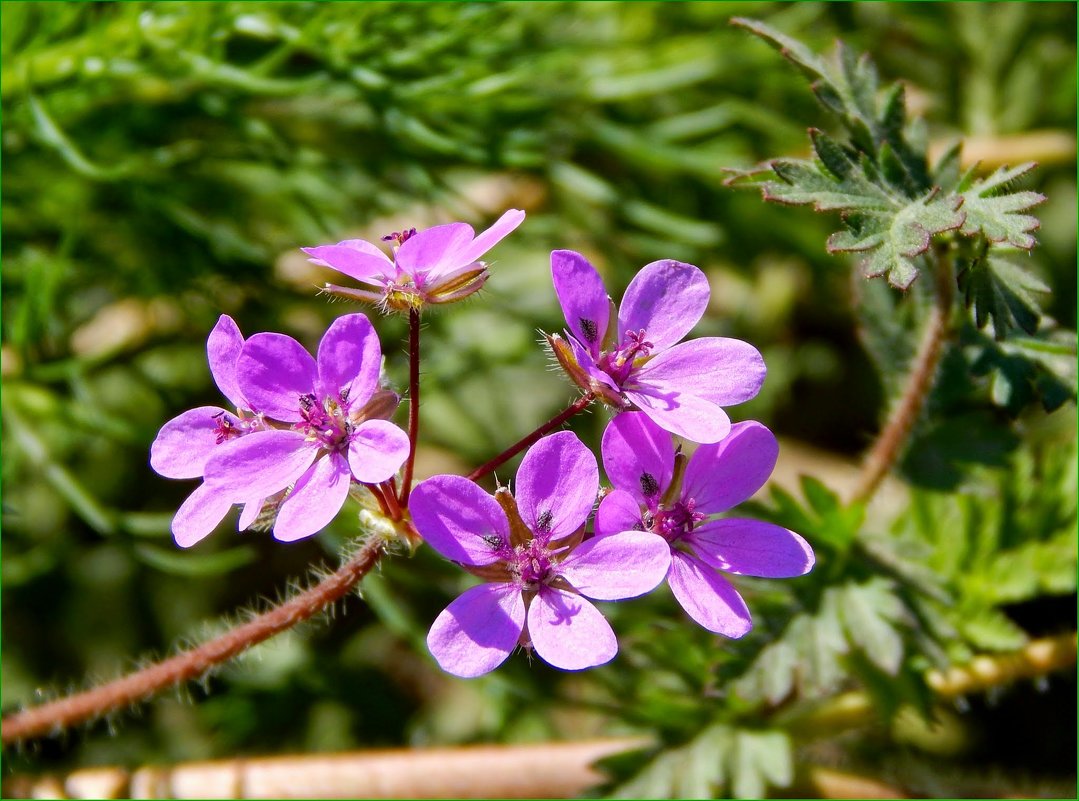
(991,630)
(894,240)
(759,760)
(179,563)
(993,212)
(1000,290)
(1025,369)
(871,613)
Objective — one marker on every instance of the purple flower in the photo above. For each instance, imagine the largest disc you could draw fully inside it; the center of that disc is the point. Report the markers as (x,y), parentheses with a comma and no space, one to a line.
(528,548)
(637,362)
(436,265)
(652,495)
(185,443)
(336,435)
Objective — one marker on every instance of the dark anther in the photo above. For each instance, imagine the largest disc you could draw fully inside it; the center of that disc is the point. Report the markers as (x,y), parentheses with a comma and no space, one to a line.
(649,485)
(543,522)
(589,328)
(307,401)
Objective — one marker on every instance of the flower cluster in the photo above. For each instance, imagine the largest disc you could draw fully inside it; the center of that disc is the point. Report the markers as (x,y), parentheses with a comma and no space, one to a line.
(304,430)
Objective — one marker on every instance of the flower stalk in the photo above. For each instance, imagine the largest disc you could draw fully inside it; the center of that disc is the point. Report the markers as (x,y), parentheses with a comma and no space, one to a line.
(413,403)
(55,716)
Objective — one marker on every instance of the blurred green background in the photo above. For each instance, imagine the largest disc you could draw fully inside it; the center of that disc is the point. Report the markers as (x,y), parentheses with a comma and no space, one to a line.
(162,164)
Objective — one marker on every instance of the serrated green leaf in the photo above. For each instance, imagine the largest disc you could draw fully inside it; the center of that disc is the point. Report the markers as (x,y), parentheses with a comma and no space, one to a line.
(759,760)
(831,154)
(992,211)
(945,172)
(870,613)
(1025,369)
(991,630)
(797,53)
(1000,290)
(895,239)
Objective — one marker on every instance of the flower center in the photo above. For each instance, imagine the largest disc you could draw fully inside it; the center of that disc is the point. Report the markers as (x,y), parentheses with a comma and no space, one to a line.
(532,563)
(619,363)
(400,237)
(674,522)
(327,423)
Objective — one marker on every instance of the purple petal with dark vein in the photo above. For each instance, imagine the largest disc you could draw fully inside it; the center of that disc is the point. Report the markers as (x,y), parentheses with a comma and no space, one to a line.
(583,298)
(459,520)
(274,371)
(476,632)
(355,258)
(185,442)
(376,451)
(349,360)
(620,566)
(638,456)
(568,632)
(598,381)
(666,298)
(707,597)
(199,515)
(556,485)
(618,511)
(258,465)
(434,249)
(223,351)
(501,228)
(720,476)
(676,411)
(719,369)
(316,499)
(752,548)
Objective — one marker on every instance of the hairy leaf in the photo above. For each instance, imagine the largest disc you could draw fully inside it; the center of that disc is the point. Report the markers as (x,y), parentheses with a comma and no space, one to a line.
(993,211)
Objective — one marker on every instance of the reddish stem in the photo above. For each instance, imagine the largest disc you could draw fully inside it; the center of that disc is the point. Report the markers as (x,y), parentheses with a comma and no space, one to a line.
(550,425)
(55,716)
(413,402)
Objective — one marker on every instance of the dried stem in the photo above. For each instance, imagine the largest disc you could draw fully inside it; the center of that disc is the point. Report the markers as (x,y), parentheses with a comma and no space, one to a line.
(889,444)
(55,716)
(413,402)
(550,425)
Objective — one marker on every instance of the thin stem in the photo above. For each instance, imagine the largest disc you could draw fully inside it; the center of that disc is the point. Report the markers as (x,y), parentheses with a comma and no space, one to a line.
(550,425)
(55,716)
(413,402)
(893,436)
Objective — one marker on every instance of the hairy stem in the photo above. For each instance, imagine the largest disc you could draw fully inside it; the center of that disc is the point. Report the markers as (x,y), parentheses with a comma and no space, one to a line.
(413,401)
(547,427)
(893,436)
(55,716)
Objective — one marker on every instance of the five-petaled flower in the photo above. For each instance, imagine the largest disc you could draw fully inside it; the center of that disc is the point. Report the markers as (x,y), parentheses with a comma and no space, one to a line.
(336,432)
(539,573)
(185,443)
(652,493)
(437,265)
(636,361)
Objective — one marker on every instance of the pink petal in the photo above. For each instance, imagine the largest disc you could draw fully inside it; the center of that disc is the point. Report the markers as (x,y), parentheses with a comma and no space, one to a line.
(619,566)
(249,514)
(434,249)
(355,258)
(722,475)
(568,632)
(752,548)
(199,515)
(376,451)
(459,520)
(707,597)
(476,632)
(666,298)
(259,464)
(638,456)
(185,442)
(686,415)
(316,499)
(223,351)
(502,227)
(556,485)
(275,370)
(349,360)
(721,370)
(618,511)
(583,298)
